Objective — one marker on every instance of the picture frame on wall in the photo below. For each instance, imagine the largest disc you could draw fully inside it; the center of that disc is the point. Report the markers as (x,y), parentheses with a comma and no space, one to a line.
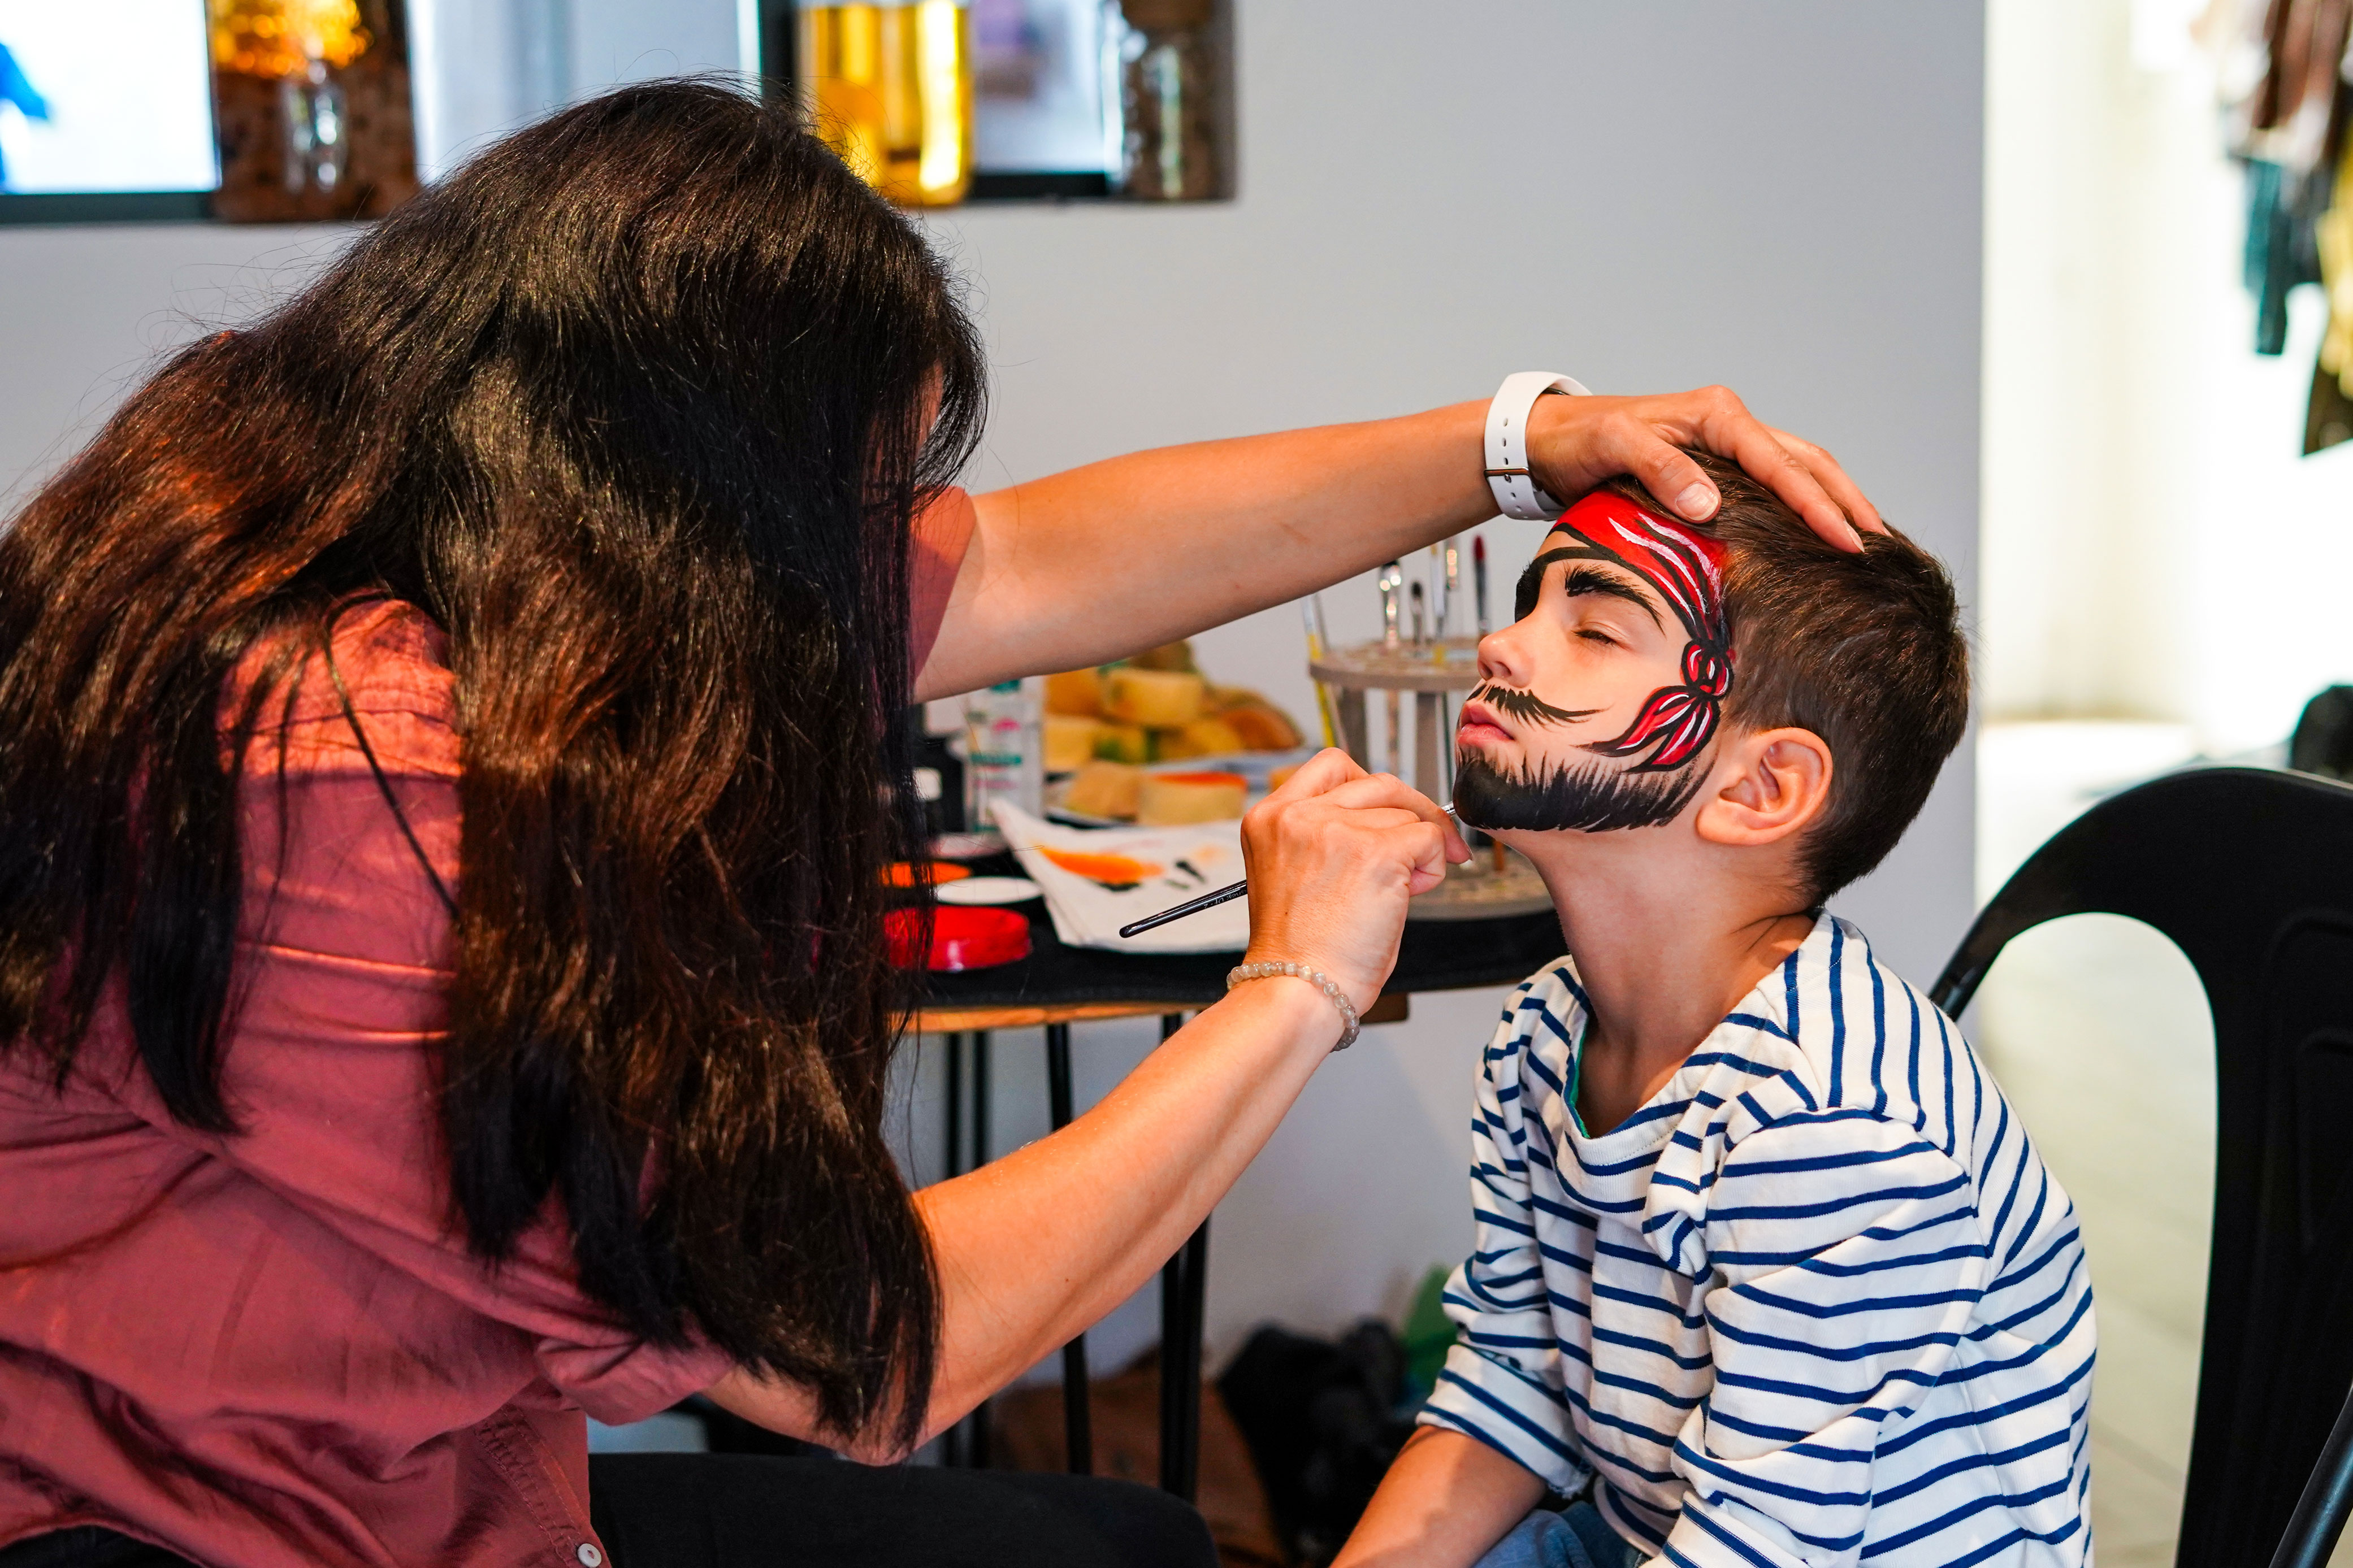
(1040,78)
(183,110)
(106,113)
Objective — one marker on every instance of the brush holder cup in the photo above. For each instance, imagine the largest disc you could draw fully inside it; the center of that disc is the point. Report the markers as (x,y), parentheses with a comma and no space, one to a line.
(1434,673)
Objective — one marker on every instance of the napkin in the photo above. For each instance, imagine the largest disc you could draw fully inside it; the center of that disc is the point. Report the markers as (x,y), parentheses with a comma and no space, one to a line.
(1097,880)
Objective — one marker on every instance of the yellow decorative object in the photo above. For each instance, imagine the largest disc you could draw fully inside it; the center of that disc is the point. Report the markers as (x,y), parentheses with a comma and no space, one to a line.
(1122,743)
(1202,738)
(285,38)
(1177,800)
(1105,789)
(2334,231)
(1069,741)
(892,85)
(1076,692)
(1155,698)
(1263,726)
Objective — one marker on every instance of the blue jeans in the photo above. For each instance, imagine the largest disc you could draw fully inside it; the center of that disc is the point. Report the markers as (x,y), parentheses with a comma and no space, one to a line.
(1577,1537)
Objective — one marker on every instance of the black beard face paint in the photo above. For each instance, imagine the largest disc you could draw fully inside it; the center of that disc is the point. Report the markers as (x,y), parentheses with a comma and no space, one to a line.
(1526,706)
(1593,798)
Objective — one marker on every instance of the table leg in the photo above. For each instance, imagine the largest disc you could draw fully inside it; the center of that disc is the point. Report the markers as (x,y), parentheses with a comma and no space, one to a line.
(952,1440)
(1183,1280)
(954,1115)
(1078,1415)
(1184,1285)
(976,1444)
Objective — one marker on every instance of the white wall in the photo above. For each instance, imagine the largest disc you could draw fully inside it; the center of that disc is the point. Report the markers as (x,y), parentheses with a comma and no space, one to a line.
(1784,198)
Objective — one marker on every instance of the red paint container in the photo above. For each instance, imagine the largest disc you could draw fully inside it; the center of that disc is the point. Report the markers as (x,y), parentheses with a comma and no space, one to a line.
(962,938)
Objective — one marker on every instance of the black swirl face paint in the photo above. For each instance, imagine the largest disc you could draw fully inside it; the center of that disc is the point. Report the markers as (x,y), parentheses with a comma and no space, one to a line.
(1526,706)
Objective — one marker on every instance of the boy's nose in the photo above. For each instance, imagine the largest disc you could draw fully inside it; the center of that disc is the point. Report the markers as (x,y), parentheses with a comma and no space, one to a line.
(1502,660)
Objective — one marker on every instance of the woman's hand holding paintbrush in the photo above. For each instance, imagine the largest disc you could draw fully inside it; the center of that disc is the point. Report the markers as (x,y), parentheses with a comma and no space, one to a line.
(1332,857)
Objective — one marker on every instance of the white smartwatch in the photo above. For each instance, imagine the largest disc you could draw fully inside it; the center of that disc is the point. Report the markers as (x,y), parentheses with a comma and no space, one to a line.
(1517,494)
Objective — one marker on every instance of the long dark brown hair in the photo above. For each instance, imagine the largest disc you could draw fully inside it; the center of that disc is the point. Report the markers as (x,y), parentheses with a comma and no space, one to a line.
(632,406)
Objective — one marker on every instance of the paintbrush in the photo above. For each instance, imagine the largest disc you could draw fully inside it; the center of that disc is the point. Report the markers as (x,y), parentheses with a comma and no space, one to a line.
(1224,894)
(1210,901)
(1478,578)
(1390,581)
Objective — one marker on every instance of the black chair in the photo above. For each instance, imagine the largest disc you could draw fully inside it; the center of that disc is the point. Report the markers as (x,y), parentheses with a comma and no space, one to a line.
(2251,875)
(2323,742)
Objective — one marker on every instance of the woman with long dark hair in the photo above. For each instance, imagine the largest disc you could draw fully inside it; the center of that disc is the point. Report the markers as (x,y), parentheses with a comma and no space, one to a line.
(448,759)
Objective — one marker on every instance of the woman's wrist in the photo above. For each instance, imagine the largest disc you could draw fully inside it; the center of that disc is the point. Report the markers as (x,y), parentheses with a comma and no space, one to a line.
(1295,1007)
(1244,973)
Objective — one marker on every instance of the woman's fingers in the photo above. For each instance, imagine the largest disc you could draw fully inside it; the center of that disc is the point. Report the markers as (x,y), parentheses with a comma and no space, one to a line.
(1331,870)
(1727,428)
(1577,442)
(1666,472)
(1833,479)
(1326,770)
(1377,792)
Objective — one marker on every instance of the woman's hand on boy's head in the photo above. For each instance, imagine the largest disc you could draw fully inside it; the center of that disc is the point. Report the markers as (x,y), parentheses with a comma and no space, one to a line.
(1576,443)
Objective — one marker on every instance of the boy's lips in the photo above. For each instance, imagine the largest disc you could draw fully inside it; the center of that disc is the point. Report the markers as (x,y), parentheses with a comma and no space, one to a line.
(1480,723)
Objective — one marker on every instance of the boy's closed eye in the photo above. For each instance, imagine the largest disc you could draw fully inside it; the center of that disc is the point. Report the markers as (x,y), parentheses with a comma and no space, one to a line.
(1584,579)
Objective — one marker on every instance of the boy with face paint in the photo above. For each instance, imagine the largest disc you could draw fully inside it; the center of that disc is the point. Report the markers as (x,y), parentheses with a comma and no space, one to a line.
(1766,1273)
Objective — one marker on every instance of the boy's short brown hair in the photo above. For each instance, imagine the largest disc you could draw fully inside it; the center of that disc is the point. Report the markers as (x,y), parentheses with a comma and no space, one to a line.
(1865,650)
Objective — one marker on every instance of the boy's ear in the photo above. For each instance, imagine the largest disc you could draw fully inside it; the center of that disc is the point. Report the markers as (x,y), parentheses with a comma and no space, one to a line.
(1769,785)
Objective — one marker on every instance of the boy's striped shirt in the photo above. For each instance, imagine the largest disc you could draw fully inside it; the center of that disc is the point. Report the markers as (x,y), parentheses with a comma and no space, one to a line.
(1817,1301)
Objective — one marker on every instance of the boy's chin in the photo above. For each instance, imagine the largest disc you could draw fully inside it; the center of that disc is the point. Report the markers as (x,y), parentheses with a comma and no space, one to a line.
(1586,796)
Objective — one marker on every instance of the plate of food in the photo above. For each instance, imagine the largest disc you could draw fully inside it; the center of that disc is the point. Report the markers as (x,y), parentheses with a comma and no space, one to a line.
(1152,741)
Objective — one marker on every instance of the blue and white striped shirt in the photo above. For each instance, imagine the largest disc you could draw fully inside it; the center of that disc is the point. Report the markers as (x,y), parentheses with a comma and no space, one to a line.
(1817,1301)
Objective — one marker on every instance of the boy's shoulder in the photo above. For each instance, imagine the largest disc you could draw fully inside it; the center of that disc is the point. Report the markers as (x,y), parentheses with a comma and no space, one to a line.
(1872,1041)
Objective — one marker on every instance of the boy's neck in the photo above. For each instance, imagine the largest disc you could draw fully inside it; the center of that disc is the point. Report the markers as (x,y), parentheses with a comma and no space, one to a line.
(1669,934)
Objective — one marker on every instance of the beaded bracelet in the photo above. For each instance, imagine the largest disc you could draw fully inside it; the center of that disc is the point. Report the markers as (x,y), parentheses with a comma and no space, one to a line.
(1322,982)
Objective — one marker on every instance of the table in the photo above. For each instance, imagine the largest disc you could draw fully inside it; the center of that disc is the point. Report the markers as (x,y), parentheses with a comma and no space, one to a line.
(1057,986)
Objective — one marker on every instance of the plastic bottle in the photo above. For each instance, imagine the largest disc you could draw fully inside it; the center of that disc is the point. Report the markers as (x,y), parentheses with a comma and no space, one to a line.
(1004,750)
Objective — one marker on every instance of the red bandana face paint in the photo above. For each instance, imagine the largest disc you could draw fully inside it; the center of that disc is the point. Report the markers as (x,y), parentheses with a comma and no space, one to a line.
(1676,722)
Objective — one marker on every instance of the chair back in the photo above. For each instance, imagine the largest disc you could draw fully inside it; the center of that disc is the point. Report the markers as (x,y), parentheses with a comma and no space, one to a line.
(2250,873)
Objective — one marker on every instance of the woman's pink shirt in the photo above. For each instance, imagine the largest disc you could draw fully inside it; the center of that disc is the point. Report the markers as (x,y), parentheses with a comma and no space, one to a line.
(274,1348)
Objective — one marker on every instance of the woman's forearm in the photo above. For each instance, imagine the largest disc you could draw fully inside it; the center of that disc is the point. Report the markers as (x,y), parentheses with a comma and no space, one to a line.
(1098,561)
(1036,1246)
(1128,1183)
(1102,560)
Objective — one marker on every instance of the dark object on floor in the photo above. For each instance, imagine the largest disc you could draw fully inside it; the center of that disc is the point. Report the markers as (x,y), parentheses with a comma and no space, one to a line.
(1126,1433)
(1323,1421)
(2323,743)
(2250,873)
(745,1510)
(87,1546)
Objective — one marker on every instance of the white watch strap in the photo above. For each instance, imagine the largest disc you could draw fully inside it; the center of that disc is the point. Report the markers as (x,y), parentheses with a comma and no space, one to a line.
(1517,494)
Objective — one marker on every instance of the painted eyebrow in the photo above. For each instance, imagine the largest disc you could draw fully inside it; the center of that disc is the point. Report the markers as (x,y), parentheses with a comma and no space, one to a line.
(1585,579)
(1593,580)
